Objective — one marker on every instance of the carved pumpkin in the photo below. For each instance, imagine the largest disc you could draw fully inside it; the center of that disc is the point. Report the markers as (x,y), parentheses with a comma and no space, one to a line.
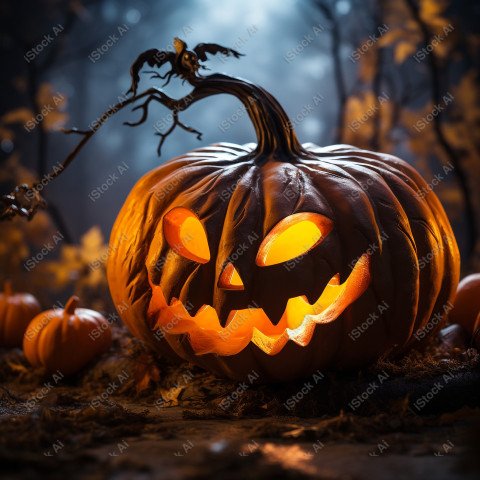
(466,307)
(16,312)
(273,257)
(67,339)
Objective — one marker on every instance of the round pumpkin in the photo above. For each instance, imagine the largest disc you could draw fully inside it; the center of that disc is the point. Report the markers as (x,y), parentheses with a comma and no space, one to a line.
(280,258)
(16,312)
(466,307)
(66,340)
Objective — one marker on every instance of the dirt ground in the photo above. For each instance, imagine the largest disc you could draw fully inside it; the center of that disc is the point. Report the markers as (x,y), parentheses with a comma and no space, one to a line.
(131,416)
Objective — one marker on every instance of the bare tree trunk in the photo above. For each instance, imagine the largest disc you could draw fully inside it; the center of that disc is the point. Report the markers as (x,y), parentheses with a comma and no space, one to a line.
(327,12)
(377,83)
(437,125)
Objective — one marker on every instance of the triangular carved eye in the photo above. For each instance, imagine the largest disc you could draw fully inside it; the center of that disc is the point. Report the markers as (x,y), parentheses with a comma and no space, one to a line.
(293,236)
(230,278)
(185,234)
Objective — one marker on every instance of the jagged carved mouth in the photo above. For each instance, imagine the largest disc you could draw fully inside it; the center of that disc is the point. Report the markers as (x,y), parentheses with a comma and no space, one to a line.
(297,324)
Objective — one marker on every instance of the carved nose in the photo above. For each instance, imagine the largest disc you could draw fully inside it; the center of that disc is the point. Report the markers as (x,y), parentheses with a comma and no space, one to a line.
(230,278)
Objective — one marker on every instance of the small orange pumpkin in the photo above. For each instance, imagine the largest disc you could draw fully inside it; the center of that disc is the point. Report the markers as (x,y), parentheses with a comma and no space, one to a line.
(66,339)
(466,307)
(16,312)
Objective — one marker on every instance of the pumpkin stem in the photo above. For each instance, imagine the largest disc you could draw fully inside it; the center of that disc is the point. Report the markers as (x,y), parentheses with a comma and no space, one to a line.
(71,305)
(8,288)
(274,130)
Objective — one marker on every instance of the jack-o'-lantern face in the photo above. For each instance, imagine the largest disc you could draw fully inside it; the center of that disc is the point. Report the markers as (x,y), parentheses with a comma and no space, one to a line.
(237,263)
(291,239)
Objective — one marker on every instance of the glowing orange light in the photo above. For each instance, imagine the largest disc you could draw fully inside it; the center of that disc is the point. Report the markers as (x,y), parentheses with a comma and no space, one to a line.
(207,335)
(292,237)
(230,278)
(185,234)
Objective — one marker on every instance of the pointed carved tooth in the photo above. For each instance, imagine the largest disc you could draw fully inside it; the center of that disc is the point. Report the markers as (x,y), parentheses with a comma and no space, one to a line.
(303,334)
(157,302)
(348,292)
(335,280)
(253,325)
(328,296)
(207,317)
(208,341)
(296,310)
(242,321)
(270,344)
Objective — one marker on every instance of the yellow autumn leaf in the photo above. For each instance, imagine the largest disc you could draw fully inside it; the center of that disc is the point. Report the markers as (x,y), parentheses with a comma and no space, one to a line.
(13,171)
(6,133)
(392,36)
(93,248)
(368,65)
(429,9)
(19,115)
(404,50)
(171,395)
(51,105)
